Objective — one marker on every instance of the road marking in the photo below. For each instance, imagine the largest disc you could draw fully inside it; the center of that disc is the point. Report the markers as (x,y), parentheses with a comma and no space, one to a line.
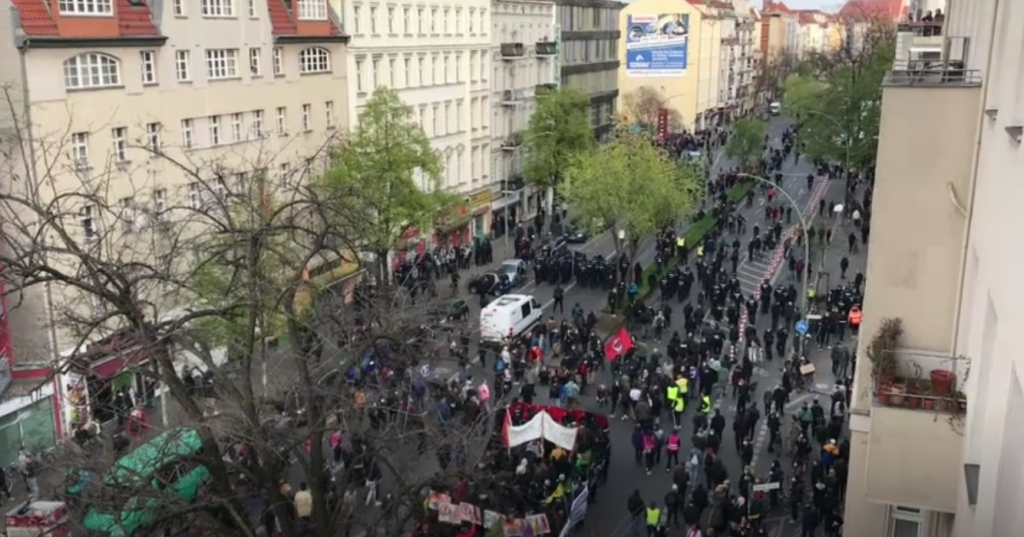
(762,433)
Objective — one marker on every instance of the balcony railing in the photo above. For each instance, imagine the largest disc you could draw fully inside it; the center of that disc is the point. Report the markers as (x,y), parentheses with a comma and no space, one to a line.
(512,97)
(513,142)
(512,51)
(932,73)
(922,29)
(546,48)
(920,380)
(541,89)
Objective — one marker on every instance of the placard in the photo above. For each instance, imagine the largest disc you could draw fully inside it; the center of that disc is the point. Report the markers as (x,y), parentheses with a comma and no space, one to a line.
(469,513)
(449,513)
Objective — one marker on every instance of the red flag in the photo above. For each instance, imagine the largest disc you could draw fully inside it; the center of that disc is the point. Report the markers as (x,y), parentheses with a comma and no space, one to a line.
(618,345)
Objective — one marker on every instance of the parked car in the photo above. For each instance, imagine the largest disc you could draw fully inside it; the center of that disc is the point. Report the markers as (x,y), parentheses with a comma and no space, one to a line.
(490,283)
(455,309)
(514,270)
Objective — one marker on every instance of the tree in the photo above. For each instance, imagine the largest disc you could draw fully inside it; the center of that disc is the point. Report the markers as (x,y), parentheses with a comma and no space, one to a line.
(632,186)
(838,105)
(203,280)
(746,145)
(642,105)
(386,180)
(771,74)
(559,129)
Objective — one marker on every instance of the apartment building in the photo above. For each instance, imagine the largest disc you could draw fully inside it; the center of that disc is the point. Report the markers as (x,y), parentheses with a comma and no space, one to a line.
(737,59)
(588,56)
(525,65)
(936,447)
(437,55)
(819,33)
(109,101)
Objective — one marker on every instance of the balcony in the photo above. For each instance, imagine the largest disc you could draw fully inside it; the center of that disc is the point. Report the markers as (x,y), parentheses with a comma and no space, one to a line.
(921,28)
(541,89)
(932,73)
(515,184)
(512,51)
(512,98)
(512,143)
(546,49)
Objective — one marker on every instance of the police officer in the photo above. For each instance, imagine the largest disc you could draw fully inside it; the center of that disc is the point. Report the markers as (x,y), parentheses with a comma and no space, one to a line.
(559,297)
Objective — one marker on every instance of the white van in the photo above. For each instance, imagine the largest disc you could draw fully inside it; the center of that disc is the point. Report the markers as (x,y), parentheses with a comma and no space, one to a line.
(509,315)
(775,108)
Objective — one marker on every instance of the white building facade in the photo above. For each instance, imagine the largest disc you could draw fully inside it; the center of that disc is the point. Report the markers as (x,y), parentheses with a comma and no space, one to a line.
(524,60)
(737,59)
(437,55)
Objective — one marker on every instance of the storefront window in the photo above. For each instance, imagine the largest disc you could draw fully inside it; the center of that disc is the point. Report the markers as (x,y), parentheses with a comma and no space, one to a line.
(32,426)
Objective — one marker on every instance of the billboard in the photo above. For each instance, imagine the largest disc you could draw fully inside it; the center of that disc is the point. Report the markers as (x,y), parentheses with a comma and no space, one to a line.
(657,45)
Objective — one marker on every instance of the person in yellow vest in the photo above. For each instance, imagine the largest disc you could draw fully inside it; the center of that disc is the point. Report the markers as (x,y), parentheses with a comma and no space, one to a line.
(684,387)
(672,394)
(700,251)
(681,248)
(653,518)
(677,410)
(705,403)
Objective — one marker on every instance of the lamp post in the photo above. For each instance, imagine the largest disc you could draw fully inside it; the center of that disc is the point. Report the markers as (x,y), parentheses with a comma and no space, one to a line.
(805,240)
(515,155)
(848,144)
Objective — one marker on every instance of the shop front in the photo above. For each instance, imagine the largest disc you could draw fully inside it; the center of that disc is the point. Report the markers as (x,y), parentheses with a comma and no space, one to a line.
(410,245)
(30,417)
(507,206)
(107,380)
(454,229)
(480,208)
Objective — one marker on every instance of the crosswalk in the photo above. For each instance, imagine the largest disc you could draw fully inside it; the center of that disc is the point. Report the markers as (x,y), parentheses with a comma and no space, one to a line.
(751,272)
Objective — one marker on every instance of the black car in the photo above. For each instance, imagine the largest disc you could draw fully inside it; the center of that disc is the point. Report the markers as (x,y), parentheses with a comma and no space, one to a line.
(575,235)
(448,311)
(490,284)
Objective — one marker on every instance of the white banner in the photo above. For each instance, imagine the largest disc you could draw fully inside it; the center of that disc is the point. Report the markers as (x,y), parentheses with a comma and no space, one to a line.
(527,432)
(559,435)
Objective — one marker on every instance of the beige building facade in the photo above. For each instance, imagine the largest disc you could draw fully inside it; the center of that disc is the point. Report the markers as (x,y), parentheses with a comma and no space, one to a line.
(929,458)
(126,120)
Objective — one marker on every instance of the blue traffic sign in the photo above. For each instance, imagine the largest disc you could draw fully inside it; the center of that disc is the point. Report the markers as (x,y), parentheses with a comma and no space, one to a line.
(802,327)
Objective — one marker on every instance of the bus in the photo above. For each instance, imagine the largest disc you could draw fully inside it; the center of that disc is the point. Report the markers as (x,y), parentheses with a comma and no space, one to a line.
(164,464)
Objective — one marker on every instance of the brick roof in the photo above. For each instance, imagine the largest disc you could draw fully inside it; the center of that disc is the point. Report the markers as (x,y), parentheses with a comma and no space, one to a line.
(776,7)
(132,20)
(282,19)
(873,9)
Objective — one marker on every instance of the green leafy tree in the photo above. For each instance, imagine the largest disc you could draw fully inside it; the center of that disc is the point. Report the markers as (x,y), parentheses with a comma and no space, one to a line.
(746,145)
(631,186)
(386,179)
(559,129)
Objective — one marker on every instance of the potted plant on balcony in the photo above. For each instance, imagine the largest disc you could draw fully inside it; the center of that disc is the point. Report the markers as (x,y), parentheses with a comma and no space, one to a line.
(883,361)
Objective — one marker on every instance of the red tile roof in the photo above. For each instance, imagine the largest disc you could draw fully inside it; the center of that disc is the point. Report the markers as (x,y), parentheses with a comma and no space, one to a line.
(132,20)
(35,18)
(282,19)
(776,7)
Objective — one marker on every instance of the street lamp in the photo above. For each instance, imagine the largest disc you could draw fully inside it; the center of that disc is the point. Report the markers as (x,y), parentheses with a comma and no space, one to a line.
(806,242)
(848,144)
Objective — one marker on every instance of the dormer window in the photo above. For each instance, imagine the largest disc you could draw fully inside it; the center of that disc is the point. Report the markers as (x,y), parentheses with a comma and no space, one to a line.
(312,10)
(86,7)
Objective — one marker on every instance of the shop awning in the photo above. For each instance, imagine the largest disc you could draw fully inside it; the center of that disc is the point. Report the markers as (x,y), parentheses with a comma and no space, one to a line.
(110,368)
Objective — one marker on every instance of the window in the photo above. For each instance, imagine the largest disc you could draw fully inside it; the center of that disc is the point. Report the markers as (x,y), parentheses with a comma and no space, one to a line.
(213,122)
(458,21)
(447,68)
(86,218)
(435,116)
(421,61)
(257,124)
(220,188)
(236,127)
(181,60)
(221,63)
(313,10)
(407,73)
(314,60)
(472,21)
(86,7)
(284,172)
(307,110)
(357,15)
(419,20)
(179,8)
(218,8)
(376,73)
(433,21)
(186,134)
(282,121)
(147,59)
(391,20)
(252,9)
(405,20)
(92,70)
(373,21)
(360,67)
(278,61)
(128,213)
(391,72)
(254,61)
(447,15)
(329,114)
(119,137)
(159,204)
(80,150)
(195,196)
(153,137)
